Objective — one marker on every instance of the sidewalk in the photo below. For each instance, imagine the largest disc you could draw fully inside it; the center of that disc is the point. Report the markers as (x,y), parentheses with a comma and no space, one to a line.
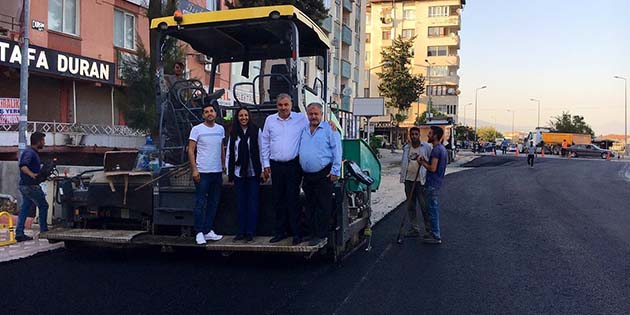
(388,197)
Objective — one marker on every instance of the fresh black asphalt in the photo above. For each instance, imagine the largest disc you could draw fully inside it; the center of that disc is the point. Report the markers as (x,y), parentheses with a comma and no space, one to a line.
(549,240)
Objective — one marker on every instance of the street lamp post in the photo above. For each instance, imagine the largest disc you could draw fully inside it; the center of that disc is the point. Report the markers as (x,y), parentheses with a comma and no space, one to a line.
(465,112)
(512,111)
(429,104)
(537,101)
(625,115)
(477,90)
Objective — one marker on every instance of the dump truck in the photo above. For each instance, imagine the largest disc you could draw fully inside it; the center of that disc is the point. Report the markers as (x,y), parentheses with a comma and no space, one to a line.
(551,142)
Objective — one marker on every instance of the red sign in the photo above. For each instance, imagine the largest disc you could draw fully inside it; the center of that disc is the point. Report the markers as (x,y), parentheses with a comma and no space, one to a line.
(9,110)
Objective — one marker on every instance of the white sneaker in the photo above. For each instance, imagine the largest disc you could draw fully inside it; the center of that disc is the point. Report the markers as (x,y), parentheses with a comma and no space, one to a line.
(200,239)
(211,236)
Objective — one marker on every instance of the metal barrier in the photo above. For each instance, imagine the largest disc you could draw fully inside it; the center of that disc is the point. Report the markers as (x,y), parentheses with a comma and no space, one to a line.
(10,227)
(89,129)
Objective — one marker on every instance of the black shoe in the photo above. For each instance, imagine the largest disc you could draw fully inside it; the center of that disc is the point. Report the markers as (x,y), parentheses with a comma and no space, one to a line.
(297,240)
(238,237)
(432,240)
(277,238)
(412,234)
(22,238)
(249,238)
(316,241)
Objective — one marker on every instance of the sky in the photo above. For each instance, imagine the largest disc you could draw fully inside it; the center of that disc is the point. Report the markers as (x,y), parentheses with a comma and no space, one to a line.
(562,52)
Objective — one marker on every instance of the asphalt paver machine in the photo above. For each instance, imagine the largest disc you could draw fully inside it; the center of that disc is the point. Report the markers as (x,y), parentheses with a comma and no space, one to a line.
(126,208)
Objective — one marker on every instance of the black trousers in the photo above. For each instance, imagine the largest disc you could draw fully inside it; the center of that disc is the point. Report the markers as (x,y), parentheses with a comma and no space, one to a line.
(318,190)
(530,159)
(285,190)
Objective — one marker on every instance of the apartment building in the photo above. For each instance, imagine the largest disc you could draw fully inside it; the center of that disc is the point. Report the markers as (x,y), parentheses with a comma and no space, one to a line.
(436,25)
(345,28)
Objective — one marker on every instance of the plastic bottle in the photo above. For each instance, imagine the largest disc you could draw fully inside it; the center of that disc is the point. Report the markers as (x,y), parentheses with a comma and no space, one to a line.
(146,154)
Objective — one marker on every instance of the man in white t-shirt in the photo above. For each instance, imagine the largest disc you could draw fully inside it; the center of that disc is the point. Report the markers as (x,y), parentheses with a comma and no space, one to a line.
(206,139)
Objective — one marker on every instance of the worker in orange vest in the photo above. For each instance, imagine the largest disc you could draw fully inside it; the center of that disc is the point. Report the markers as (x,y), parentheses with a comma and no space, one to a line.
(565,146)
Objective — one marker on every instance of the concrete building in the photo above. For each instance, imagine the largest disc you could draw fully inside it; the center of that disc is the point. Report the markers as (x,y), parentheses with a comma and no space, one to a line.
(345,28)
(77,48)
(436,25)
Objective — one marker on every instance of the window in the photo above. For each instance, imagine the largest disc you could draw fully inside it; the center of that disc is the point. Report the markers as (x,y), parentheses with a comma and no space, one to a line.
(439,71)
(436,31)
(368,19)
(441,90)
(439,11)
(63,16)
(407,33)
(387,35)
(433,51)
(367,37)
(409,14)
(124,30)
(215,5)
(367,57)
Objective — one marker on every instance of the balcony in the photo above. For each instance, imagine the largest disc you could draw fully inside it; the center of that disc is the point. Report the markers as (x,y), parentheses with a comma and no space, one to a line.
(449,80)
(327,24)
(346,35)
(346,69)
(452,20)
(445,60)
(347,5)
(448,40)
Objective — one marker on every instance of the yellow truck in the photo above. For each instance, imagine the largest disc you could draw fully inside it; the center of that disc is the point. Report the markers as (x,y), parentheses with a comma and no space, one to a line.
(551,142)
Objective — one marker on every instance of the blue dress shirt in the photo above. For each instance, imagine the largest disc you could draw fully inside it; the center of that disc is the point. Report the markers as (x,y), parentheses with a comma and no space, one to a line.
(320,148)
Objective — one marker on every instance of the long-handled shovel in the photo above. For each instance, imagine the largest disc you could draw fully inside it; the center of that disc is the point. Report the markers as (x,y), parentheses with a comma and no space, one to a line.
(399,238)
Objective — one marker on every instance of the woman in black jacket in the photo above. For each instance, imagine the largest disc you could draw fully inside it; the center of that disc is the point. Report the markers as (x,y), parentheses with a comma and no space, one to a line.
(244,170)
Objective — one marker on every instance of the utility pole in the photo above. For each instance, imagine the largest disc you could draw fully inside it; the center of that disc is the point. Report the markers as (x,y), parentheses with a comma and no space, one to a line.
(22,125)
(625,115)
(477,90)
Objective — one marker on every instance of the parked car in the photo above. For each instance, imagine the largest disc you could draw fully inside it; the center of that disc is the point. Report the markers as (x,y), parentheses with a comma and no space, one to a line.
(487,147)
(584,150)
(513,147)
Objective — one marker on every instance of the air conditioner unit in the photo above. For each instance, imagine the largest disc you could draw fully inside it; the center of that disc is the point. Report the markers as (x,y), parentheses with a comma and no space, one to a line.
(207,67)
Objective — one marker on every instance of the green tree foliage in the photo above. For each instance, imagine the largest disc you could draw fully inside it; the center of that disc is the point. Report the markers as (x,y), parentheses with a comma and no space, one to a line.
(137,99)
(314,9)
(572,124)
(488,133)
(463,133)
(422,119)
(400,87)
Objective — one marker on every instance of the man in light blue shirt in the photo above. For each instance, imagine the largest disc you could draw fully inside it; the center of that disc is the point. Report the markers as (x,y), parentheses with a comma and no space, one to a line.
(320,159)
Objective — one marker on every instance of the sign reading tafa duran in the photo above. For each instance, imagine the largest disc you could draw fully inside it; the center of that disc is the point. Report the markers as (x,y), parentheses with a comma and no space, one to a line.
(56,62)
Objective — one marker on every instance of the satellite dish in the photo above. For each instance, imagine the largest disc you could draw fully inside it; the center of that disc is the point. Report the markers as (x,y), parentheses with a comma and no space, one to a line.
(347,91)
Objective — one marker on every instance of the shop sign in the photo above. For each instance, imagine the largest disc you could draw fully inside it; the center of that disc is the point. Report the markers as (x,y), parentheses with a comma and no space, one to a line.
(9,110)
(58,63)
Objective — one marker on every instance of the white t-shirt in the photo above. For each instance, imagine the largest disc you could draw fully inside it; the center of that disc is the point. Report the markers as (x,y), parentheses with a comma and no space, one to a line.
(209,146)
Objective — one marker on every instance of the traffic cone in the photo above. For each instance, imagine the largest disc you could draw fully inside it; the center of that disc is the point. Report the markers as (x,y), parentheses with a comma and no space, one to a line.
(516,152)
(542,153)
(608,156)
(493,152)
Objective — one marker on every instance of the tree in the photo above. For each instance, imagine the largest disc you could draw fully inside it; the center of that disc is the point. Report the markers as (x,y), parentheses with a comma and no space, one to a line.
(399,86)
(314,9)
(488,133)
(463,133)
(572,124)
(396,119)
(137,99)
(422,119)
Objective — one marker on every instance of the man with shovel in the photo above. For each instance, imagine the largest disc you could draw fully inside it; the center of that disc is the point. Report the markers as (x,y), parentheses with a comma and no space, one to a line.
(413,176)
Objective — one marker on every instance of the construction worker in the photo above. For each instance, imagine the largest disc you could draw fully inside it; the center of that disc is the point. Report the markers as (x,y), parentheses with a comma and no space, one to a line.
(565,146)
(531,153)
